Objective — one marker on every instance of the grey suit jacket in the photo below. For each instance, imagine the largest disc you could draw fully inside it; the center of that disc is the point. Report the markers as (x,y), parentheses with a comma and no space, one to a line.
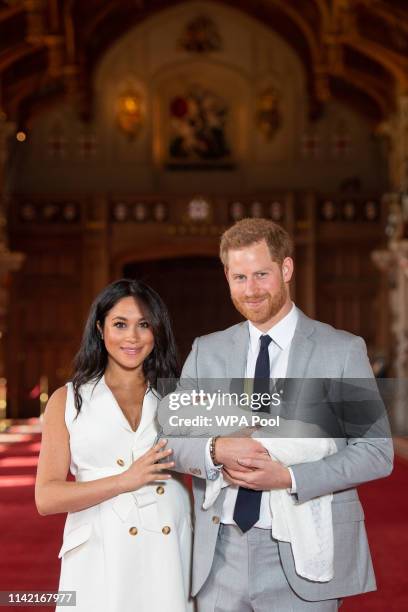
(317,351)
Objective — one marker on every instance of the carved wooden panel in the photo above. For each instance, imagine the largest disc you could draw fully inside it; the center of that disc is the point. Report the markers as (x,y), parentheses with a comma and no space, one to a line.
(348,287)
(68,260)
(45,322)
(195,292)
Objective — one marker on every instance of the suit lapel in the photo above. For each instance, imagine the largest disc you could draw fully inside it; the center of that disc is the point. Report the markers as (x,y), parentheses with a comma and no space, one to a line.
(236,352)
(299,355)
(236,358)
(301,348)
(299,358)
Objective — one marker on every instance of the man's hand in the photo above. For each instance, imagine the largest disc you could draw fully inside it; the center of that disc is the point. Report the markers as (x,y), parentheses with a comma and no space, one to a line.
(262,474)
(228,451)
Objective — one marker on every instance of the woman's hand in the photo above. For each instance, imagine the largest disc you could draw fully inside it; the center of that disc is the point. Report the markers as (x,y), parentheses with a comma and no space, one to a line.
(146,469)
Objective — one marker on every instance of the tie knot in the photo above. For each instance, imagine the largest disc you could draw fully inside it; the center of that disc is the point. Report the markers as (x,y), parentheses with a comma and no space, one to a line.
(265,341)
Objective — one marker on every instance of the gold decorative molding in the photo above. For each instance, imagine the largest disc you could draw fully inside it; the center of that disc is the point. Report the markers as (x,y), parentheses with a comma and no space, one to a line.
(325,29)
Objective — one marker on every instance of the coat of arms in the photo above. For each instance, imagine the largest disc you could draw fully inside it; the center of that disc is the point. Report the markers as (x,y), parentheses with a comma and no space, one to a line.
(200,36)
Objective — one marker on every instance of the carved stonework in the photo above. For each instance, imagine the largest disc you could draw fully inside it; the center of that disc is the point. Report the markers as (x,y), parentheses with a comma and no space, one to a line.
(394,263)
(200,35)
(56,54)
(36,19)
(139,211)
(6,129)
(396,129)
(362,42)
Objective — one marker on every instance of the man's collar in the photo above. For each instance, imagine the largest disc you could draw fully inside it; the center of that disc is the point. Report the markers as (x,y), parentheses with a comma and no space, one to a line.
(281,333)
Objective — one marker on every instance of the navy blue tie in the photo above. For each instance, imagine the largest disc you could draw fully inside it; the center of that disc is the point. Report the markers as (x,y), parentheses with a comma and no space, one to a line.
(248,503)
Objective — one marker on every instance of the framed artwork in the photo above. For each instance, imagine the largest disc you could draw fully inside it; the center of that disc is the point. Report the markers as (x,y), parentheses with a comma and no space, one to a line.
(198,121)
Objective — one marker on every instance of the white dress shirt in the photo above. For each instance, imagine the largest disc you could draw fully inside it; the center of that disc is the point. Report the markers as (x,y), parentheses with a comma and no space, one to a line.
(282,334)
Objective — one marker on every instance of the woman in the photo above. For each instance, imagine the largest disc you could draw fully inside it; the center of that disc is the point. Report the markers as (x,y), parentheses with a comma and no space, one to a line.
(127,539)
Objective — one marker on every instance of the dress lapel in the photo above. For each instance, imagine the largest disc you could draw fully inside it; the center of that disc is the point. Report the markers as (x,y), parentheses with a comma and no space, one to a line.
(111,405)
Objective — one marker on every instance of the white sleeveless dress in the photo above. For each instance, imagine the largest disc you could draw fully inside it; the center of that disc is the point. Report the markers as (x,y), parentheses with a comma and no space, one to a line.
(131,553)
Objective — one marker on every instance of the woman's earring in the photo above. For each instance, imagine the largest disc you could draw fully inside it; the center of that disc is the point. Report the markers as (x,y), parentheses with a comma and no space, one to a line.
(101,334)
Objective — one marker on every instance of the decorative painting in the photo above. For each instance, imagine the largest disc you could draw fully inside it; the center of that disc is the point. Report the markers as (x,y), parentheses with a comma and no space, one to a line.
(198,130)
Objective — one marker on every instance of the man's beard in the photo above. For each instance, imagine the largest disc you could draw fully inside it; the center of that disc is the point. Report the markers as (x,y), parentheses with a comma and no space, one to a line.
(270,307)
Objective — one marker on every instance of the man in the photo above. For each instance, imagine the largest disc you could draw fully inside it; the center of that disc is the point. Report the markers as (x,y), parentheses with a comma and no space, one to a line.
(238,565)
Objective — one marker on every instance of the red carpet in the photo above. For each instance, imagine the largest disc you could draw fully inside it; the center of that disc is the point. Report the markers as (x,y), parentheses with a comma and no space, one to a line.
(30,543)
(386,510)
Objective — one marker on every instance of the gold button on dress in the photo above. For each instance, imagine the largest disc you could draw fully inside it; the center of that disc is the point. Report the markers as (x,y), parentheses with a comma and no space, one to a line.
(115,553)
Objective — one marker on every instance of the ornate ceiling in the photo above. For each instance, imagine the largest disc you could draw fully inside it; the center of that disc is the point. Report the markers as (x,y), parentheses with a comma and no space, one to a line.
(354,50)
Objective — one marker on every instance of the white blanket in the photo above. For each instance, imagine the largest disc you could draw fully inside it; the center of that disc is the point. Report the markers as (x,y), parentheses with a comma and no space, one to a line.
(307,526)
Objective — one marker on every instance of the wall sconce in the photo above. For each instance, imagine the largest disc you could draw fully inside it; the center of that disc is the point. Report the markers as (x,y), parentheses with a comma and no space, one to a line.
(129,113)
(268,115)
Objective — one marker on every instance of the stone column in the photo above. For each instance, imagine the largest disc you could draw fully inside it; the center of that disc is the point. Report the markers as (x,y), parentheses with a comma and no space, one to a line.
(396,129)
(394,263)
(9,261)
(56,54)
(393,260)
(6,129)
(36,19)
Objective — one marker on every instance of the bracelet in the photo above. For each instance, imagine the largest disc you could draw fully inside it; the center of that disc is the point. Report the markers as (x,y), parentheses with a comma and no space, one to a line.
(212,450)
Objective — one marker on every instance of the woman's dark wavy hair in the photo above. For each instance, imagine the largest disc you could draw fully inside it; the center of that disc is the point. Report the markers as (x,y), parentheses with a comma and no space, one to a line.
(92,358)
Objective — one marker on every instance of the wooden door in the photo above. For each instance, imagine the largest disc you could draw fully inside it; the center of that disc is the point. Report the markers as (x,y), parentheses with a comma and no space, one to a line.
(195,292)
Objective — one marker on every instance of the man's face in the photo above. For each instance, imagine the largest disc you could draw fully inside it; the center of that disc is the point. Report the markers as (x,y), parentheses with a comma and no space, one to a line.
(258,285)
